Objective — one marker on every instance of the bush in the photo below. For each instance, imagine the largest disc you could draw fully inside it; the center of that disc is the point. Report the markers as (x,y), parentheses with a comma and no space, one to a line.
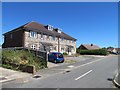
(93,52)
(65,53)
(23,57)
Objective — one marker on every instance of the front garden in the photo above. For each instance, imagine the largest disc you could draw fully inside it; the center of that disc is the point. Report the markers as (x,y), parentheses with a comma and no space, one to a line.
(15,59)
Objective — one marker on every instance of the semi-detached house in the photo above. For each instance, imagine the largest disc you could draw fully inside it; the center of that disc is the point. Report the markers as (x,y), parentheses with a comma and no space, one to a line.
(40,37)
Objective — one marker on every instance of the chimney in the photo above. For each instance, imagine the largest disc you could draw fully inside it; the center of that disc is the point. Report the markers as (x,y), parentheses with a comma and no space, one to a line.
(91,44)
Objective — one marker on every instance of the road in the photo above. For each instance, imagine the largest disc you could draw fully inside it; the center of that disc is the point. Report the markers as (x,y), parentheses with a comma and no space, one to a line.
(92,73)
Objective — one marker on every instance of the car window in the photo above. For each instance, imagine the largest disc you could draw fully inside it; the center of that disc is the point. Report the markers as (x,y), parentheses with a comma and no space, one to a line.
(60,55)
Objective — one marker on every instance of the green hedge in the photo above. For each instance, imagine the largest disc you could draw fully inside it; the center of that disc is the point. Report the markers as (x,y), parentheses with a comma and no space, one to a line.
(93,52)
(23,57)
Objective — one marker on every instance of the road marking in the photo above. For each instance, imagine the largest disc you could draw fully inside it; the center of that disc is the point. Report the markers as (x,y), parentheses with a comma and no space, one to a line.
(71,66)
(83,75)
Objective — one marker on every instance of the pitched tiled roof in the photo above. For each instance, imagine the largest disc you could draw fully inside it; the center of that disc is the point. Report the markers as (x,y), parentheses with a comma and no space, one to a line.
(90,46)
(110,49)
(34,26)
(117,49)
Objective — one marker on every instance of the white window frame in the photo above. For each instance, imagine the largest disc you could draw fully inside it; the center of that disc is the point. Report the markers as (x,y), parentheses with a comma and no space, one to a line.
(50,27)
(33,34)
(33,46)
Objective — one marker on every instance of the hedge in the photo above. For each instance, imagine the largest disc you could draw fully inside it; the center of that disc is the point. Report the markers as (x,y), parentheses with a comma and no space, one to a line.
(65,53)
(93,52)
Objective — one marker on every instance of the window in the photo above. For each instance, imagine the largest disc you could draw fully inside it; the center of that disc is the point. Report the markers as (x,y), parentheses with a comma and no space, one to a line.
(62,49)
(54,48)
(50,27)
(33,34)
(33,46)
(53,38)
(45,37)
(11,36)
(41,36)
(67,41)
(48,37)
(73,42)
(62,39)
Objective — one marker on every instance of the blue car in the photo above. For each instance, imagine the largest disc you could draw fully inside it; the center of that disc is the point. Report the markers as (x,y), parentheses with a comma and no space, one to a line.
(55,57)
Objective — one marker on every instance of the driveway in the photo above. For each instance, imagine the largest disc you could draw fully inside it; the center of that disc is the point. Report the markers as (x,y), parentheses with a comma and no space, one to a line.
(74,59)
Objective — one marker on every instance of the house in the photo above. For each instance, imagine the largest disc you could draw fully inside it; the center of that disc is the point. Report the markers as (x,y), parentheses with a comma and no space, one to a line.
(40,37)
(88,47)
(113,50)
(118,50)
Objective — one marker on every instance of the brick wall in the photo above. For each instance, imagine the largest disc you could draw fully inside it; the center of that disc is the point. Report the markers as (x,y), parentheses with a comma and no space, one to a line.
(14,39)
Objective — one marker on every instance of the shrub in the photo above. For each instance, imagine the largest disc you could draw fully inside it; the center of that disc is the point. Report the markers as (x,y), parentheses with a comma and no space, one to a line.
(77,50)
(93,52)
(23,57)
(65,53)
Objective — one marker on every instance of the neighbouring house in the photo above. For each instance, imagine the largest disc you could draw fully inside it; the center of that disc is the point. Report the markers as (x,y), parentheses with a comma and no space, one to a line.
(118,50)
(113,50)
(88,47)
(40,37)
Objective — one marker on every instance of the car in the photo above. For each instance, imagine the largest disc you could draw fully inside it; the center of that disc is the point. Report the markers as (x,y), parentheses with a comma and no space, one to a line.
(55,57)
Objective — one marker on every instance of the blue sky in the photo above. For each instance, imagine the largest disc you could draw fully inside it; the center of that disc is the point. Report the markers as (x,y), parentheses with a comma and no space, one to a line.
(88,22)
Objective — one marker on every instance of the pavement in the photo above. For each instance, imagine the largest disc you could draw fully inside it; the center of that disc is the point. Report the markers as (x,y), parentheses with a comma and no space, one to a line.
(8,75)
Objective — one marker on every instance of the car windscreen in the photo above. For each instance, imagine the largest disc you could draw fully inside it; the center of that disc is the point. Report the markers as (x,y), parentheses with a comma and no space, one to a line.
(60,55)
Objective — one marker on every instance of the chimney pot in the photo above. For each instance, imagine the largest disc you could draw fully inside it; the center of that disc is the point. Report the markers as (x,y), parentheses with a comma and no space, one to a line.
(91,44)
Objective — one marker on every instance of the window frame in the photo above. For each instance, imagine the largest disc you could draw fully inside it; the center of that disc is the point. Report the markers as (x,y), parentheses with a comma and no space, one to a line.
(53,38)
(33,34)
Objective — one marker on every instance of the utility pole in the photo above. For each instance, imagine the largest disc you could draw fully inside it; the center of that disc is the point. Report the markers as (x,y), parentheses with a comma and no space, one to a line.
(58,43)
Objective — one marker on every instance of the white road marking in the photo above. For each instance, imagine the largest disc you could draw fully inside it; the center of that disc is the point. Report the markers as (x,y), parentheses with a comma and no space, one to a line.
(71,66)
(116,81)
(83,75)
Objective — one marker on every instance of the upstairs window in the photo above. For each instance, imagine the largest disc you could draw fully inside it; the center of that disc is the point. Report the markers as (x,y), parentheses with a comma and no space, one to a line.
(53,38)
(45,37)
(33,34)
(48,37)
(41,36)
(62,39)
(50,27)
(11,36)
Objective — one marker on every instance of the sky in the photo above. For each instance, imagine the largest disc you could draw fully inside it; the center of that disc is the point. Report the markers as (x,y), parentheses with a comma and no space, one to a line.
(88,22)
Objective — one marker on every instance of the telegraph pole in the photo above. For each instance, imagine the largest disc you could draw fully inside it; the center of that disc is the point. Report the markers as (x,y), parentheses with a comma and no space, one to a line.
(58,43)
